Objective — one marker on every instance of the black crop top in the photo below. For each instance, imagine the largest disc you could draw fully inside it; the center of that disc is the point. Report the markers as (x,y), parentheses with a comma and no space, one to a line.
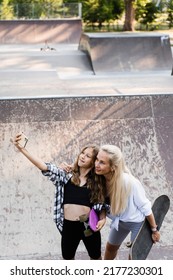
(76,195)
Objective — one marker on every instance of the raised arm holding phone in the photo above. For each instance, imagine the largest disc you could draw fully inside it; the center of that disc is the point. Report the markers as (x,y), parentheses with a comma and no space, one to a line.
(76,194)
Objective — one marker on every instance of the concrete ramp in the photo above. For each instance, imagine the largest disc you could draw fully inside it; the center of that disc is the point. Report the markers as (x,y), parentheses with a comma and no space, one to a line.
(39,31)
(128,52)
(57,128)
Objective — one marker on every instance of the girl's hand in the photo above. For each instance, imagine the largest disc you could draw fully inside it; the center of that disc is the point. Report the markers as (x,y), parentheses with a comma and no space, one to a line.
(66,167)
(101,224)
(16,140)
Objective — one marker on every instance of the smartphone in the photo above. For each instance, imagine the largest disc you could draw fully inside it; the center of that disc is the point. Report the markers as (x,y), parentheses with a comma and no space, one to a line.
(23,140)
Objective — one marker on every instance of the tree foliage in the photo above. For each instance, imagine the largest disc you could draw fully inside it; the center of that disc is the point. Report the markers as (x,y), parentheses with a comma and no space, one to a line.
(100,11)
(95,12)
(29,8)
(146,13)
(170,13)
(6,9)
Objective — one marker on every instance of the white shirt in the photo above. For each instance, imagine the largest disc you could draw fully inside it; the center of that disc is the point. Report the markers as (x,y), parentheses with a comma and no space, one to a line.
(138,206)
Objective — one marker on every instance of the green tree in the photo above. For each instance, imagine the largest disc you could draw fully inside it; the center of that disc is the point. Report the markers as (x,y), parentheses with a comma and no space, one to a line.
(146,13)
(100,11)
(118,8)
(97,11)
(170,13)
(6,11)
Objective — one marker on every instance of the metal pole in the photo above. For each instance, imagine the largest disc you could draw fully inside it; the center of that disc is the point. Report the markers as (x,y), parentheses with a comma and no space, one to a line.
(80,10)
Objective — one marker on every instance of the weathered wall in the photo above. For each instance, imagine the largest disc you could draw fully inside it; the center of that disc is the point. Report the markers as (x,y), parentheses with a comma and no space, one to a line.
(141,126)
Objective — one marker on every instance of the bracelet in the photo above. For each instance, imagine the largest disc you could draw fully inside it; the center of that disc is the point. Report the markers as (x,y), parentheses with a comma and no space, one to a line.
(154,229)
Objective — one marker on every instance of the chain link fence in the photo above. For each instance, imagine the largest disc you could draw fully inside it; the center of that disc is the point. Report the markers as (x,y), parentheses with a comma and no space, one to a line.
(40,11)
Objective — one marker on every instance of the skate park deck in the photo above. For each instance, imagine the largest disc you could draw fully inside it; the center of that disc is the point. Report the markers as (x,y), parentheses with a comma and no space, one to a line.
(57,100)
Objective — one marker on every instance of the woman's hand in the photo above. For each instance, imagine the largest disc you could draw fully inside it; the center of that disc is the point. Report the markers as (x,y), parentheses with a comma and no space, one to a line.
(156,236)
(153,225)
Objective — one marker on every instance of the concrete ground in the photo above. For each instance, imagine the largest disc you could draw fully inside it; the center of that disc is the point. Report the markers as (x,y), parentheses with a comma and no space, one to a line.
(27,72)
(156,253)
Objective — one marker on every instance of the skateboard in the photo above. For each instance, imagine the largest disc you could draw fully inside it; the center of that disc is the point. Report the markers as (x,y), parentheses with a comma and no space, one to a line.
(143,241)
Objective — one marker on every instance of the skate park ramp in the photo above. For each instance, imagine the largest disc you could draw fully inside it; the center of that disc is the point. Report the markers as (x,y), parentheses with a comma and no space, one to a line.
(54,98)
(127,52)
(57,128)
(66,31)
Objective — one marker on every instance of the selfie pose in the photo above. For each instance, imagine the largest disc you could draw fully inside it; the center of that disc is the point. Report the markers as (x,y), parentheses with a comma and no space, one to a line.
(129,205)
(76,194)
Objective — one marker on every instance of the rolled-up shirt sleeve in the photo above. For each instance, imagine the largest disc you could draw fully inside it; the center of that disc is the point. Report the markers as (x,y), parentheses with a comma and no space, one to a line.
(140,199)
(55,174)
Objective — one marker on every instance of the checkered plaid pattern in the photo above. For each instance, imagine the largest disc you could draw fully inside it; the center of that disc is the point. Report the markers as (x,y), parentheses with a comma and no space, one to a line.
(60,178)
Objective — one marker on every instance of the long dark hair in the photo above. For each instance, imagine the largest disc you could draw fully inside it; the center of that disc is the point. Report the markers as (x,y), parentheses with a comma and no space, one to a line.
(95,183)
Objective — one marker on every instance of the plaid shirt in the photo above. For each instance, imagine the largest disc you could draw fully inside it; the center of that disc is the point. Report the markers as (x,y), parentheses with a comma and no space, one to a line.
(60,178)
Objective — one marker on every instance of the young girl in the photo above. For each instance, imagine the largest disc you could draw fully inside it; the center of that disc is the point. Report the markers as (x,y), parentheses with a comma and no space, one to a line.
(76,193)
(126,197)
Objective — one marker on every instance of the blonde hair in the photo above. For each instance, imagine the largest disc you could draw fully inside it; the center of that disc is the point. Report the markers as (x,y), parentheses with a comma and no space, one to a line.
(118,191)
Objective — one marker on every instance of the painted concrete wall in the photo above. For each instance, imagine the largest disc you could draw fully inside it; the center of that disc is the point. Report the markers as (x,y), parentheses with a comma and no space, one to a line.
(57,128)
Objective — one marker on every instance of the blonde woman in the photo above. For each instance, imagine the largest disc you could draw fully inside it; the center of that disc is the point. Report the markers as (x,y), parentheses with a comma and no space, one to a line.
(75,194)
(126,196)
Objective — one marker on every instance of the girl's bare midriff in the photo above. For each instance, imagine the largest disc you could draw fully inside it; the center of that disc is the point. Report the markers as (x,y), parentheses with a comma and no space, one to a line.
(73,211)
